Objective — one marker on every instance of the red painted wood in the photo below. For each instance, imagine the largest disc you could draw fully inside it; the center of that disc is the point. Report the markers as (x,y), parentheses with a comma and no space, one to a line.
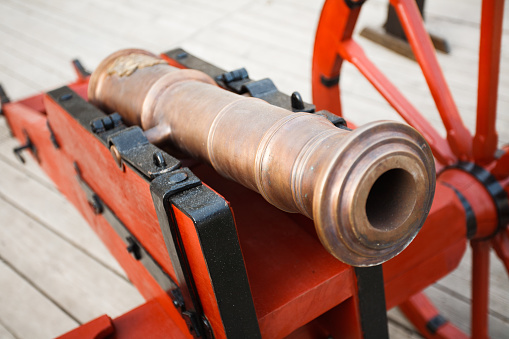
(147,321)
(98,328)
(336,24)
(478,197)
(200,272)
(501,247)
(485,140)
(480,287)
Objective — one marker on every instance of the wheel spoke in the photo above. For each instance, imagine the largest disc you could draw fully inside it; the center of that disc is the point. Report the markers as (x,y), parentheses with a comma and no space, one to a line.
(354,53)
(458,135)
(485,140)
(480,287)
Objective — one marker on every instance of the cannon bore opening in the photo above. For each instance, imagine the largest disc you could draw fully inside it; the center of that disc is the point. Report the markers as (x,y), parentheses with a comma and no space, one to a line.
(391,199)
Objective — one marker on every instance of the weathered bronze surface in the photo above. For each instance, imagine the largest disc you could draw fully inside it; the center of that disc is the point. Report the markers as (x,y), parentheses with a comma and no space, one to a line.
(368,191)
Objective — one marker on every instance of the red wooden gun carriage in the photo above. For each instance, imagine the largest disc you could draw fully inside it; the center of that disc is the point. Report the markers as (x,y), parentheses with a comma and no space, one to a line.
(213,258)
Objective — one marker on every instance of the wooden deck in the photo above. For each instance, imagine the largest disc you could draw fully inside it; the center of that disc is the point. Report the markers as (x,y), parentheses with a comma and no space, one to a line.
(54,272)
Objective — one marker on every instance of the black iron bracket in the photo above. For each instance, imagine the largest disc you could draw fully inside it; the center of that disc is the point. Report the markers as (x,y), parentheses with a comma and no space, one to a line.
(329,82)
(162,188)
(435,323)
(338,121)
(496,191)
(352,4)
(471,220)
(213,222)
(135,149)
(372,308)
(28,145)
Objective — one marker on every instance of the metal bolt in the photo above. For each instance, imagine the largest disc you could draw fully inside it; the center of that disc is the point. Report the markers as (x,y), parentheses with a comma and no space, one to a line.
(97,126)
(108,123)
(117,157)
(297,102)
(182,55)
(65,97)
(96,204)
(133,248)
(159,159)
(177,177)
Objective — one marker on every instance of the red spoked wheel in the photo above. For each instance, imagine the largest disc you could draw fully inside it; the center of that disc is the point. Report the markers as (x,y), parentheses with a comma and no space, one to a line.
(459,157)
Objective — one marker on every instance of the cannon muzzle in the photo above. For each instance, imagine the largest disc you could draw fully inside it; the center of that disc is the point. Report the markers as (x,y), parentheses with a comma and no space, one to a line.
(368,190)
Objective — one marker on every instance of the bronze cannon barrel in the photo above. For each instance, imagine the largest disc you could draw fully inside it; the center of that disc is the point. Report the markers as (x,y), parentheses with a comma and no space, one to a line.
(368,190)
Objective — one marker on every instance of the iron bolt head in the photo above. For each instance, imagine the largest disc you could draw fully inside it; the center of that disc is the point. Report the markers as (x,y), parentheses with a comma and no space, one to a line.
(65,97)
(159,159)
(177,177)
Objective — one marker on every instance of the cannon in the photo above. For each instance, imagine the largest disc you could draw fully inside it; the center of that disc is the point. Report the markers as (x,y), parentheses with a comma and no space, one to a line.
(368,190)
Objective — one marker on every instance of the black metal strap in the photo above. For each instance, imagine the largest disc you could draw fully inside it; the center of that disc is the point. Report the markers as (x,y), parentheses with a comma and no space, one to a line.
(215,228)
(435,323)
(469,212)
(354,4)
(496,191)
(372,308)
(329,82)
(135,149)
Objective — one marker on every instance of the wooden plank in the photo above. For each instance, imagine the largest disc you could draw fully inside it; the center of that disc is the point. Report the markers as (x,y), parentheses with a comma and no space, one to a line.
(71,278)
(397,317)
(4,130)
(5,333)
(458,312)
(48,60)
(15,88)
(26,311)
(52,210)
(396,331)
(30,168)
(32,74)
